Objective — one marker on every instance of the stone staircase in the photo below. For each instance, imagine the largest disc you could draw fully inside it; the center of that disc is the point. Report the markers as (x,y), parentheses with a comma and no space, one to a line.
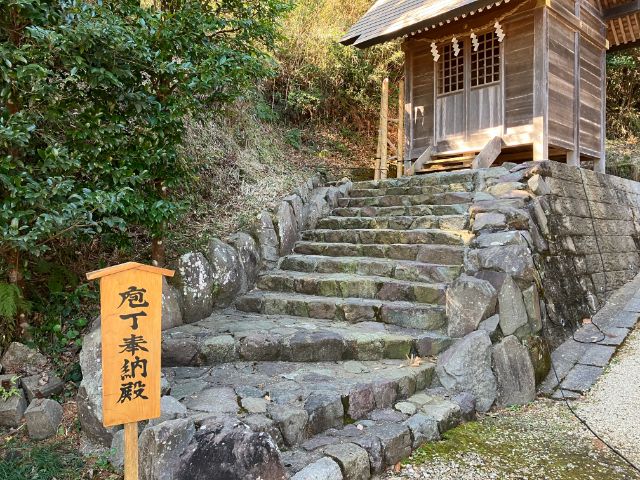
(333,354)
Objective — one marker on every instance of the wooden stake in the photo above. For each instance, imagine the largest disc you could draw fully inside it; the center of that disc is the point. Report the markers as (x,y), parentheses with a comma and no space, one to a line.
(384,129)
(131,451)
(400,156)
(376,170)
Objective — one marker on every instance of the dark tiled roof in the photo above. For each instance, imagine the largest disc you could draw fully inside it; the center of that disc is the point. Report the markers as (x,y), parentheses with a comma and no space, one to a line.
(388,19)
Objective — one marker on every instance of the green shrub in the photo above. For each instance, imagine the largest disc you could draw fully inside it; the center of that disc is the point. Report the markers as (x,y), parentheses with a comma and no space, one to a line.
(93,96)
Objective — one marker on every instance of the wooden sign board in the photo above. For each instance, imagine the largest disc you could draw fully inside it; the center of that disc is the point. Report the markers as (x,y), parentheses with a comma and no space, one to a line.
(131,310)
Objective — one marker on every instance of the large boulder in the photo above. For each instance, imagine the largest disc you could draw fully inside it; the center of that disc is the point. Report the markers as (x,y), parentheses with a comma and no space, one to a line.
(317,207)
(23,360)
(267,239)
(89,398)
(196,284)
(43,418)
(229,450)
(514,373)
(287,228)
(469,301)
(466,367)
(171,310)
(249,257)
(226,271)
(161,447)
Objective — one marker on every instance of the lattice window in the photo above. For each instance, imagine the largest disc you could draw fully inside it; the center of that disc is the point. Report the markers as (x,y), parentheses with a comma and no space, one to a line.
(485,62)
(451,70)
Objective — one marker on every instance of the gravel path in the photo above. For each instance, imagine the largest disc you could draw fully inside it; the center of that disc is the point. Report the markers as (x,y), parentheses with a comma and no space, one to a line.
(612,407)
(544,440)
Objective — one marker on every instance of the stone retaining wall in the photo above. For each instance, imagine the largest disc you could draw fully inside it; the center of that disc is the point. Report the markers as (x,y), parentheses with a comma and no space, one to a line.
(591,224)
(213,278)
(572,232)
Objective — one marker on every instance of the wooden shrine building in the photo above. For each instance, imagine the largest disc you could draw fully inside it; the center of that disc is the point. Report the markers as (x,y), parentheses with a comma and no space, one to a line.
(502,80)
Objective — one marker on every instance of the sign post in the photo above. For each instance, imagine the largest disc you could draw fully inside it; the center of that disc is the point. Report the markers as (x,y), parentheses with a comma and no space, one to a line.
(131,311)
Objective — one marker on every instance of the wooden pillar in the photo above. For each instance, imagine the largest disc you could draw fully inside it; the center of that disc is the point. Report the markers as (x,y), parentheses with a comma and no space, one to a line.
(381,158)
(573,158)
(400,152)
(131,451)
(541,85)
(600,165)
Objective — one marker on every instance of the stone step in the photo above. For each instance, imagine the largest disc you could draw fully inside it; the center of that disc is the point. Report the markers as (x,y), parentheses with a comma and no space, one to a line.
(352,310)
(440,254)
(382,439)
(369,237)
(450,198)
(410,190)
(398,269)
(442,222)
(236,335)
(400,211)
(346,285)
(295,401)
(444,178)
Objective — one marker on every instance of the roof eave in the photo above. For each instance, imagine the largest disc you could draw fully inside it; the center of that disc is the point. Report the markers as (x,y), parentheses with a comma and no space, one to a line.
(419,25)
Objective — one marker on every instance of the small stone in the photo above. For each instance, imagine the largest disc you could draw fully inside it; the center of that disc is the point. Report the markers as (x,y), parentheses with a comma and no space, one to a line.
(581,378)
(352,459)
(287,228)
(171,311)
(220,349)
(538,186)
(43,418)
(170,409)
(423,429)
(42,386)
(325,411)
(323,469)
(469,301)
(226,272)
(12,409)
(21,359)
(597,355)
(406,408)
(261,423)
(467,404)
(466,367)
(514,373)
(291,421)
(445,413)
(489,221)
(254,405)
(532,305)
(395,441)
(492,326)
(513,313)
(268,244)
(214,400)
(249,256)
(116,454)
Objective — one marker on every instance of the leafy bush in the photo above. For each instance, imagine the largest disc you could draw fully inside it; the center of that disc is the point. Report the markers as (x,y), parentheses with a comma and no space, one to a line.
(623,94)
(92,101)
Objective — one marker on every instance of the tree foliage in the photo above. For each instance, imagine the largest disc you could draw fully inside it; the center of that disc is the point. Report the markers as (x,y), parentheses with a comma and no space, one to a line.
(321,80)
(93,97)
(92,100)
(623,94)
